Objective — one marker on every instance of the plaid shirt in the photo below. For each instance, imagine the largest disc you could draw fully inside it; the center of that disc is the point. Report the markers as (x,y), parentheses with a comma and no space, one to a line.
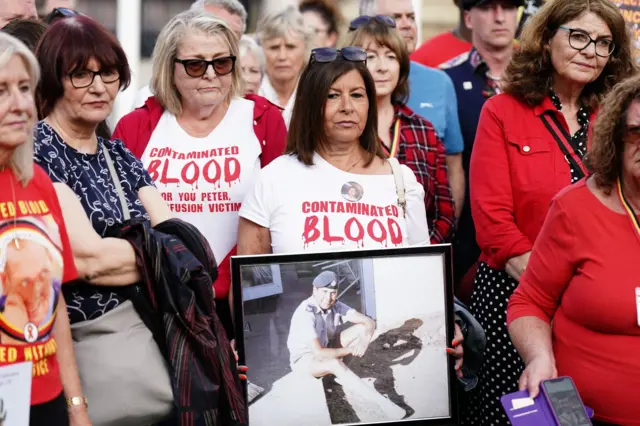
(420,149)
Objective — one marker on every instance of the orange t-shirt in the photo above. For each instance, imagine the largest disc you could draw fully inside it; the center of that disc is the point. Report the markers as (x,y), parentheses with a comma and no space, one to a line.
(35,259)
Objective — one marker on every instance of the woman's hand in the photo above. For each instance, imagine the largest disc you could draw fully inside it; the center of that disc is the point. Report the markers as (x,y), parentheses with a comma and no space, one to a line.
(242,369)
(516,265)
(540,368)
(457,350)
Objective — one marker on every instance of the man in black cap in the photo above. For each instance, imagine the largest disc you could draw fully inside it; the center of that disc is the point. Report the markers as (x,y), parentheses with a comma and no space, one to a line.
(476,77)
(319,339)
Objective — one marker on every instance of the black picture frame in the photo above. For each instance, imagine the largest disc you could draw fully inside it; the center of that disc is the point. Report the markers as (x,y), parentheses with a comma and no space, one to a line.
(442,251)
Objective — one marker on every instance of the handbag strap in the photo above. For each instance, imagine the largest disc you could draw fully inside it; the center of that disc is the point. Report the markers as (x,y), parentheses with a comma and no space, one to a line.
(400,191)
(563,139)
(116,181)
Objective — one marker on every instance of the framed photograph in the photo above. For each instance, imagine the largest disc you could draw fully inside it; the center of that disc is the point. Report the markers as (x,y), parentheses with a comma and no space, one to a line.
(348,338)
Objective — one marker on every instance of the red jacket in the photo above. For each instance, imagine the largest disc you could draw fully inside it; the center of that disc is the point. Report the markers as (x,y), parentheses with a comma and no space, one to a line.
(135,130)
(516,169)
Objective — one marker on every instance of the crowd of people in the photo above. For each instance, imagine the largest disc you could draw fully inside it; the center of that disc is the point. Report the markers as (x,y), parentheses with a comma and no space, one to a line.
(516,142)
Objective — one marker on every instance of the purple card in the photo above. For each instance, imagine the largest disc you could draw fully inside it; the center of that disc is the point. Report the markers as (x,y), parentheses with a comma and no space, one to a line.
(523,411)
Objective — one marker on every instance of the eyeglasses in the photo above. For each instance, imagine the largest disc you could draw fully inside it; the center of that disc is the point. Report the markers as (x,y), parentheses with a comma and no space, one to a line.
(632,135)
(85,78)
(362,21)
(580,40)
(330,54)
(60,12)
(198,67)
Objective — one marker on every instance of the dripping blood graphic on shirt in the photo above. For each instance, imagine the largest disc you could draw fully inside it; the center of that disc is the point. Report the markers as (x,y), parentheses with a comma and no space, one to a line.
(358,222)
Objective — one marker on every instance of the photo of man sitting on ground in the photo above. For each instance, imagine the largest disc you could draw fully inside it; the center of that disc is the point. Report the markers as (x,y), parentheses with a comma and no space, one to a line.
(324,331)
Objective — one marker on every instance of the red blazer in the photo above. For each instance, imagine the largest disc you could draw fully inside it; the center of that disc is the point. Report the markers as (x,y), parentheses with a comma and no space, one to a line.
(516,169)
(135,130)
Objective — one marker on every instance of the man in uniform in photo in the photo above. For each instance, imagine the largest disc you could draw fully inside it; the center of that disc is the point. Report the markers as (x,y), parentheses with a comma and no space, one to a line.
(324,331)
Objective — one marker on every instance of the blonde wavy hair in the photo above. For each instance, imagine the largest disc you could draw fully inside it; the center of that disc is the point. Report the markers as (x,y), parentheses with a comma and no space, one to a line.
(193,21)
(608,137)
(21,160)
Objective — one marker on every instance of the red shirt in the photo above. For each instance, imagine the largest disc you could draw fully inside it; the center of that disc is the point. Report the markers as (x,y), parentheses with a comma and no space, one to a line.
(516,169)
(135,130)
(35,259)
(582,274)
(440,49)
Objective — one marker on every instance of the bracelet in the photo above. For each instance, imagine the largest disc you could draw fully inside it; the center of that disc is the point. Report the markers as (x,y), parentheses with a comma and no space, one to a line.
(77,400)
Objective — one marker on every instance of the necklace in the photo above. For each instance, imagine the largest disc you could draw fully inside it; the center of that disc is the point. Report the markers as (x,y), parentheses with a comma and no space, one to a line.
(354,164)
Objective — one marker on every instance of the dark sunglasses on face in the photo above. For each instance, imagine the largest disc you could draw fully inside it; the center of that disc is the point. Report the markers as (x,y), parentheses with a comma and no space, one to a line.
(362,21)
(330,54)
(60,12)
(198,67)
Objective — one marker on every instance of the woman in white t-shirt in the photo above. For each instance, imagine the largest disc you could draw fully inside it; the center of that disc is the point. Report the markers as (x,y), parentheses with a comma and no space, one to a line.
(334,188)
(202,144)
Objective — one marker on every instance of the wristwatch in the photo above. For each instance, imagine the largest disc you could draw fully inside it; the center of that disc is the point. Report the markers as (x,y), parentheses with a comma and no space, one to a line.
(77,400)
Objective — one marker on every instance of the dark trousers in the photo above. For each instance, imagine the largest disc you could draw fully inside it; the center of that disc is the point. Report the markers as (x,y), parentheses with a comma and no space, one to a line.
(52,413)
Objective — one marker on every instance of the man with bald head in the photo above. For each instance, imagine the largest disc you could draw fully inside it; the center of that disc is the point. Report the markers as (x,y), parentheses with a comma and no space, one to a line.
(17,9)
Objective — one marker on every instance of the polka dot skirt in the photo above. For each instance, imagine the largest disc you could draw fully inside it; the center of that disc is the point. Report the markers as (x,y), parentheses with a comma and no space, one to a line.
(492,289)
(502,364)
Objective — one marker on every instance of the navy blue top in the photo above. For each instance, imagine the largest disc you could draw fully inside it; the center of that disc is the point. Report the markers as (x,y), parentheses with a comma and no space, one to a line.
(470,83)
(88,176)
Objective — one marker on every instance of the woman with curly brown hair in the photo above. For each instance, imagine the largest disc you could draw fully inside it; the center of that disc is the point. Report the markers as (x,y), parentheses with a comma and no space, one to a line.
(529,145)
(583,275)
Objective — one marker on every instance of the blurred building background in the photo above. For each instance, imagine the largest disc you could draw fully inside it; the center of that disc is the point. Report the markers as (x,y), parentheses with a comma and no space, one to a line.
(436,15)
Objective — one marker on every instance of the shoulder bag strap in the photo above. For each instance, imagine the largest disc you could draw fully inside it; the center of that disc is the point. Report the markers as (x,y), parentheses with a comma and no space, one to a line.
(563,140)
(116,181)
(400,191)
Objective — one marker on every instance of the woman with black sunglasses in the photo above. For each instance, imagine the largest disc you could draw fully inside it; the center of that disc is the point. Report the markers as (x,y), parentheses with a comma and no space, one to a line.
(202,143)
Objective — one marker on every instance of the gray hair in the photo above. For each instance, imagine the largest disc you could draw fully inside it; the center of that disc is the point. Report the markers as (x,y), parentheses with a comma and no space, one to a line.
(22,158)
(281,23)
(367,7)
(249,45)
(231,6)
(166,50)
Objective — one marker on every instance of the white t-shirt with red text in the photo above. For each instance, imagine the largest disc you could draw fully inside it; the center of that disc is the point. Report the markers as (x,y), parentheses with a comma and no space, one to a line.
(322,208)
(204,180)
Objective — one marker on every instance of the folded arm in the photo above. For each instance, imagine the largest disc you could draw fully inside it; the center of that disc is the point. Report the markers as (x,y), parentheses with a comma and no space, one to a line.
(102,261)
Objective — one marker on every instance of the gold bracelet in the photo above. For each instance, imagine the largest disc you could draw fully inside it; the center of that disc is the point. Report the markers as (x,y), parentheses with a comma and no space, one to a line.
(77,400)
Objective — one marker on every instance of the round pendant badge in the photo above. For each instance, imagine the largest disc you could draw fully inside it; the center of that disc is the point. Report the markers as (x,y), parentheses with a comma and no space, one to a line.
(352,191)
(30,332)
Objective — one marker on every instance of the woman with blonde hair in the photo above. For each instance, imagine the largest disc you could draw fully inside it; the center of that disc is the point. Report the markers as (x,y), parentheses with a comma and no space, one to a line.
(202,143)
(530,144)
(35,253)
(287,43)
